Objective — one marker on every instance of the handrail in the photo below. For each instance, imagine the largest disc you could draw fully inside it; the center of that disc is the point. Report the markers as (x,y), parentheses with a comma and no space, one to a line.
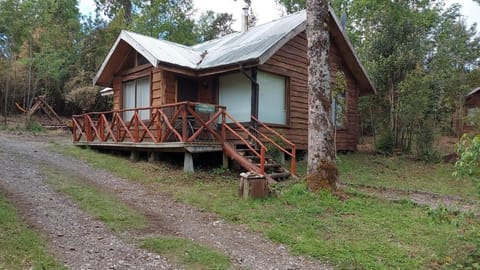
(263,149)
(159,127)
(292,154)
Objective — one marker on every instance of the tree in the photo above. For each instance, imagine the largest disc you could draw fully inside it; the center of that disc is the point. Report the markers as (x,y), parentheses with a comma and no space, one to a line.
(292,5)
(112,7)
(167,19)
(212,25)
(322,171)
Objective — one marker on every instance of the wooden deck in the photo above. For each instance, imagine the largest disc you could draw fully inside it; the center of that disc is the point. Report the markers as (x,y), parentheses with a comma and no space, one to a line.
(187,127)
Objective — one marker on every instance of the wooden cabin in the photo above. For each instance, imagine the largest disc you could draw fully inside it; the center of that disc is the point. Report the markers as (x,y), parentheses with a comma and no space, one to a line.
(462,124)
(258,76)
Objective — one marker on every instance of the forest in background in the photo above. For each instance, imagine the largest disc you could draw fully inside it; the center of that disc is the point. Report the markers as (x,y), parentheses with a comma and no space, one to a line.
(421,56)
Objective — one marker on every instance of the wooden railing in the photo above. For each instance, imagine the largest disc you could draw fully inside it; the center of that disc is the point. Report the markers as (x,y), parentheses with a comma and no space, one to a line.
(178,122)
(250,141)
(291,153)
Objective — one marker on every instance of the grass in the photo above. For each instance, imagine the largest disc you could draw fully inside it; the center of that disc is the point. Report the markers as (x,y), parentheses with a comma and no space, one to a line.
(404,174)
(102,205)
(187,253)
(21,247)
(360,232)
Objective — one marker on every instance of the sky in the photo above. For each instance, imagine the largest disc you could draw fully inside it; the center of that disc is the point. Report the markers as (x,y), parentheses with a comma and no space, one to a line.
(267,10)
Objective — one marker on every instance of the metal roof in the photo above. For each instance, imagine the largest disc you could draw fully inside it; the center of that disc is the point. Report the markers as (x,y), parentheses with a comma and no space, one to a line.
(257,44)
(475,90)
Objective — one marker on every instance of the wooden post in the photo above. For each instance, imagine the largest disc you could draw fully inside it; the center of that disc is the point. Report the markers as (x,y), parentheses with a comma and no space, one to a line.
(86,126)
(184,123)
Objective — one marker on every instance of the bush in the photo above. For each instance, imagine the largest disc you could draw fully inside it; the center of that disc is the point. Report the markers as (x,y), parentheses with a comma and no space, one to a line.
(385,143)
(33,126)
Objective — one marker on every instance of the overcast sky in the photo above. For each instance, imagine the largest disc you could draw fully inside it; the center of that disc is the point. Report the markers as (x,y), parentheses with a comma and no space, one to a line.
(267,10)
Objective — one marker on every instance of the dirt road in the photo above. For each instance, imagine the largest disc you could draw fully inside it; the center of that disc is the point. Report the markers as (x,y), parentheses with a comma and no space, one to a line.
(84,243)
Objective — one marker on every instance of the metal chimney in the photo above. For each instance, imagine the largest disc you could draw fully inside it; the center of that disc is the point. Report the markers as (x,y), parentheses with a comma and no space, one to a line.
(245,18)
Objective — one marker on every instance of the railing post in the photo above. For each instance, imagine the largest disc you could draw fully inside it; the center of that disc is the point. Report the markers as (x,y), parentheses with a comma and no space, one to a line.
(184,123)
(101,128)
(87,127)
(262,160)
(74,131)
(136,132)
(224,132)
(116,116)
(293,161)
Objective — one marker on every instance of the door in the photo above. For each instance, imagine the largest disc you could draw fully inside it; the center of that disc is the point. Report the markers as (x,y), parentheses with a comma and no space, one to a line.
(187,90)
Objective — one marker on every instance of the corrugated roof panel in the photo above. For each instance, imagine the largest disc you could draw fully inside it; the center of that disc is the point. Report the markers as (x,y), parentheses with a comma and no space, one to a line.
(251,44)
(165,51)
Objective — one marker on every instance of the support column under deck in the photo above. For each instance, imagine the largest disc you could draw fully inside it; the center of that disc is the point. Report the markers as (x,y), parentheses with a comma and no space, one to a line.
(188,162)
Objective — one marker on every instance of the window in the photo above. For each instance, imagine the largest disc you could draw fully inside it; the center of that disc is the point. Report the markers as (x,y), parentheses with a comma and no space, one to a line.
(272,106)
(339,87)
(136,94)
(235,92)
(141,60)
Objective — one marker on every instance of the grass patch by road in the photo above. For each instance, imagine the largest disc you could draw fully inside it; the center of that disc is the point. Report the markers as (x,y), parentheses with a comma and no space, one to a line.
(102,205)
(402,173)
(187,253)
(21,247)
(361,232)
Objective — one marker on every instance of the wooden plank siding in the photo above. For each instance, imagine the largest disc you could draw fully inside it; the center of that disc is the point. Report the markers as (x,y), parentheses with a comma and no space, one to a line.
(291,60)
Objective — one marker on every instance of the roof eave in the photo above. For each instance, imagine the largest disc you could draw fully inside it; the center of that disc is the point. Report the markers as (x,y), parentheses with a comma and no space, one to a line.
(134,44)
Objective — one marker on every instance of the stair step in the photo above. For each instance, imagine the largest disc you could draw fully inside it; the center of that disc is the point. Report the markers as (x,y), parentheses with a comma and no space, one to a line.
(280,176)
(270,165)
(252,157)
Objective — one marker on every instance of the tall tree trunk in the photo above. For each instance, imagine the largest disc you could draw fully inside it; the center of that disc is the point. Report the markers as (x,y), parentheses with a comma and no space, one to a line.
(322,170)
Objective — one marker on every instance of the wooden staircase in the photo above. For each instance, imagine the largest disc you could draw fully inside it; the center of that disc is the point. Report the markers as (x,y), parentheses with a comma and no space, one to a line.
(273,169)
(250,151)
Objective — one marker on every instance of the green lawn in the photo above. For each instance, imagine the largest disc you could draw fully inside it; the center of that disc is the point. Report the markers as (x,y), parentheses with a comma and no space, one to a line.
(21,247)
(360,232)
(401,173)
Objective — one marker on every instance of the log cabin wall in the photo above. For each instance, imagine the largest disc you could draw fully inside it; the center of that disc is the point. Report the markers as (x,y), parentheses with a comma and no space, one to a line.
(291,60)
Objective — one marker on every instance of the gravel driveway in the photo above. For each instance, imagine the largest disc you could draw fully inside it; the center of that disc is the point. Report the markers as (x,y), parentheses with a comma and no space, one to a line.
(84,243)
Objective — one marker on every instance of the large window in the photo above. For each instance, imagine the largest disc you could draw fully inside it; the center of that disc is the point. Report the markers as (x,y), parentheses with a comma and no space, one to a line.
(136,94)
(272,105)
(235,92)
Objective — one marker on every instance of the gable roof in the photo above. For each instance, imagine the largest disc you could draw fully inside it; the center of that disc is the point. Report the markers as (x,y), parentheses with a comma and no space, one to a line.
(256,46)
(473,92)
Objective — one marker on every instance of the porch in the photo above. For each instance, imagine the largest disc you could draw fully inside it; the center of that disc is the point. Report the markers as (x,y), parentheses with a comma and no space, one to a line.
(187,127)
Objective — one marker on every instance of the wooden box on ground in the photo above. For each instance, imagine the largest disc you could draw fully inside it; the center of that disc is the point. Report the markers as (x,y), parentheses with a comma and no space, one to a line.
(253,185)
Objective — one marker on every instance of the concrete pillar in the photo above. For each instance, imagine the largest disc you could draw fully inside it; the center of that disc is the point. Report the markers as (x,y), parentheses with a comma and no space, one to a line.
(134,156)
(188,162)
(224,161)
(153,157)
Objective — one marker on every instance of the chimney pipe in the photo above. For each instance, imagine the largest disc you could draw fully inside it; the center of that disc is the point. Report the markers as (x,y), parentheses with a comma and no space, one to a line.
(245,18)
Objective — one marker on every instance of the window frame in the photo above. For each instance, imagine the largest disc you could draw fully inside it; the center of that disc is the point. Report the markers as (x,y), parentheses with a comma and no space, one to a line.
(136,79)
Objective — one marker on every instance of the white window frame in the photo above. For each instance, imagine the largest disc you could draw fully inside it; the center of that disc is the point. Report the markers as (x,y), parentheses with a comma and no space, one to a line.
(144,114)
